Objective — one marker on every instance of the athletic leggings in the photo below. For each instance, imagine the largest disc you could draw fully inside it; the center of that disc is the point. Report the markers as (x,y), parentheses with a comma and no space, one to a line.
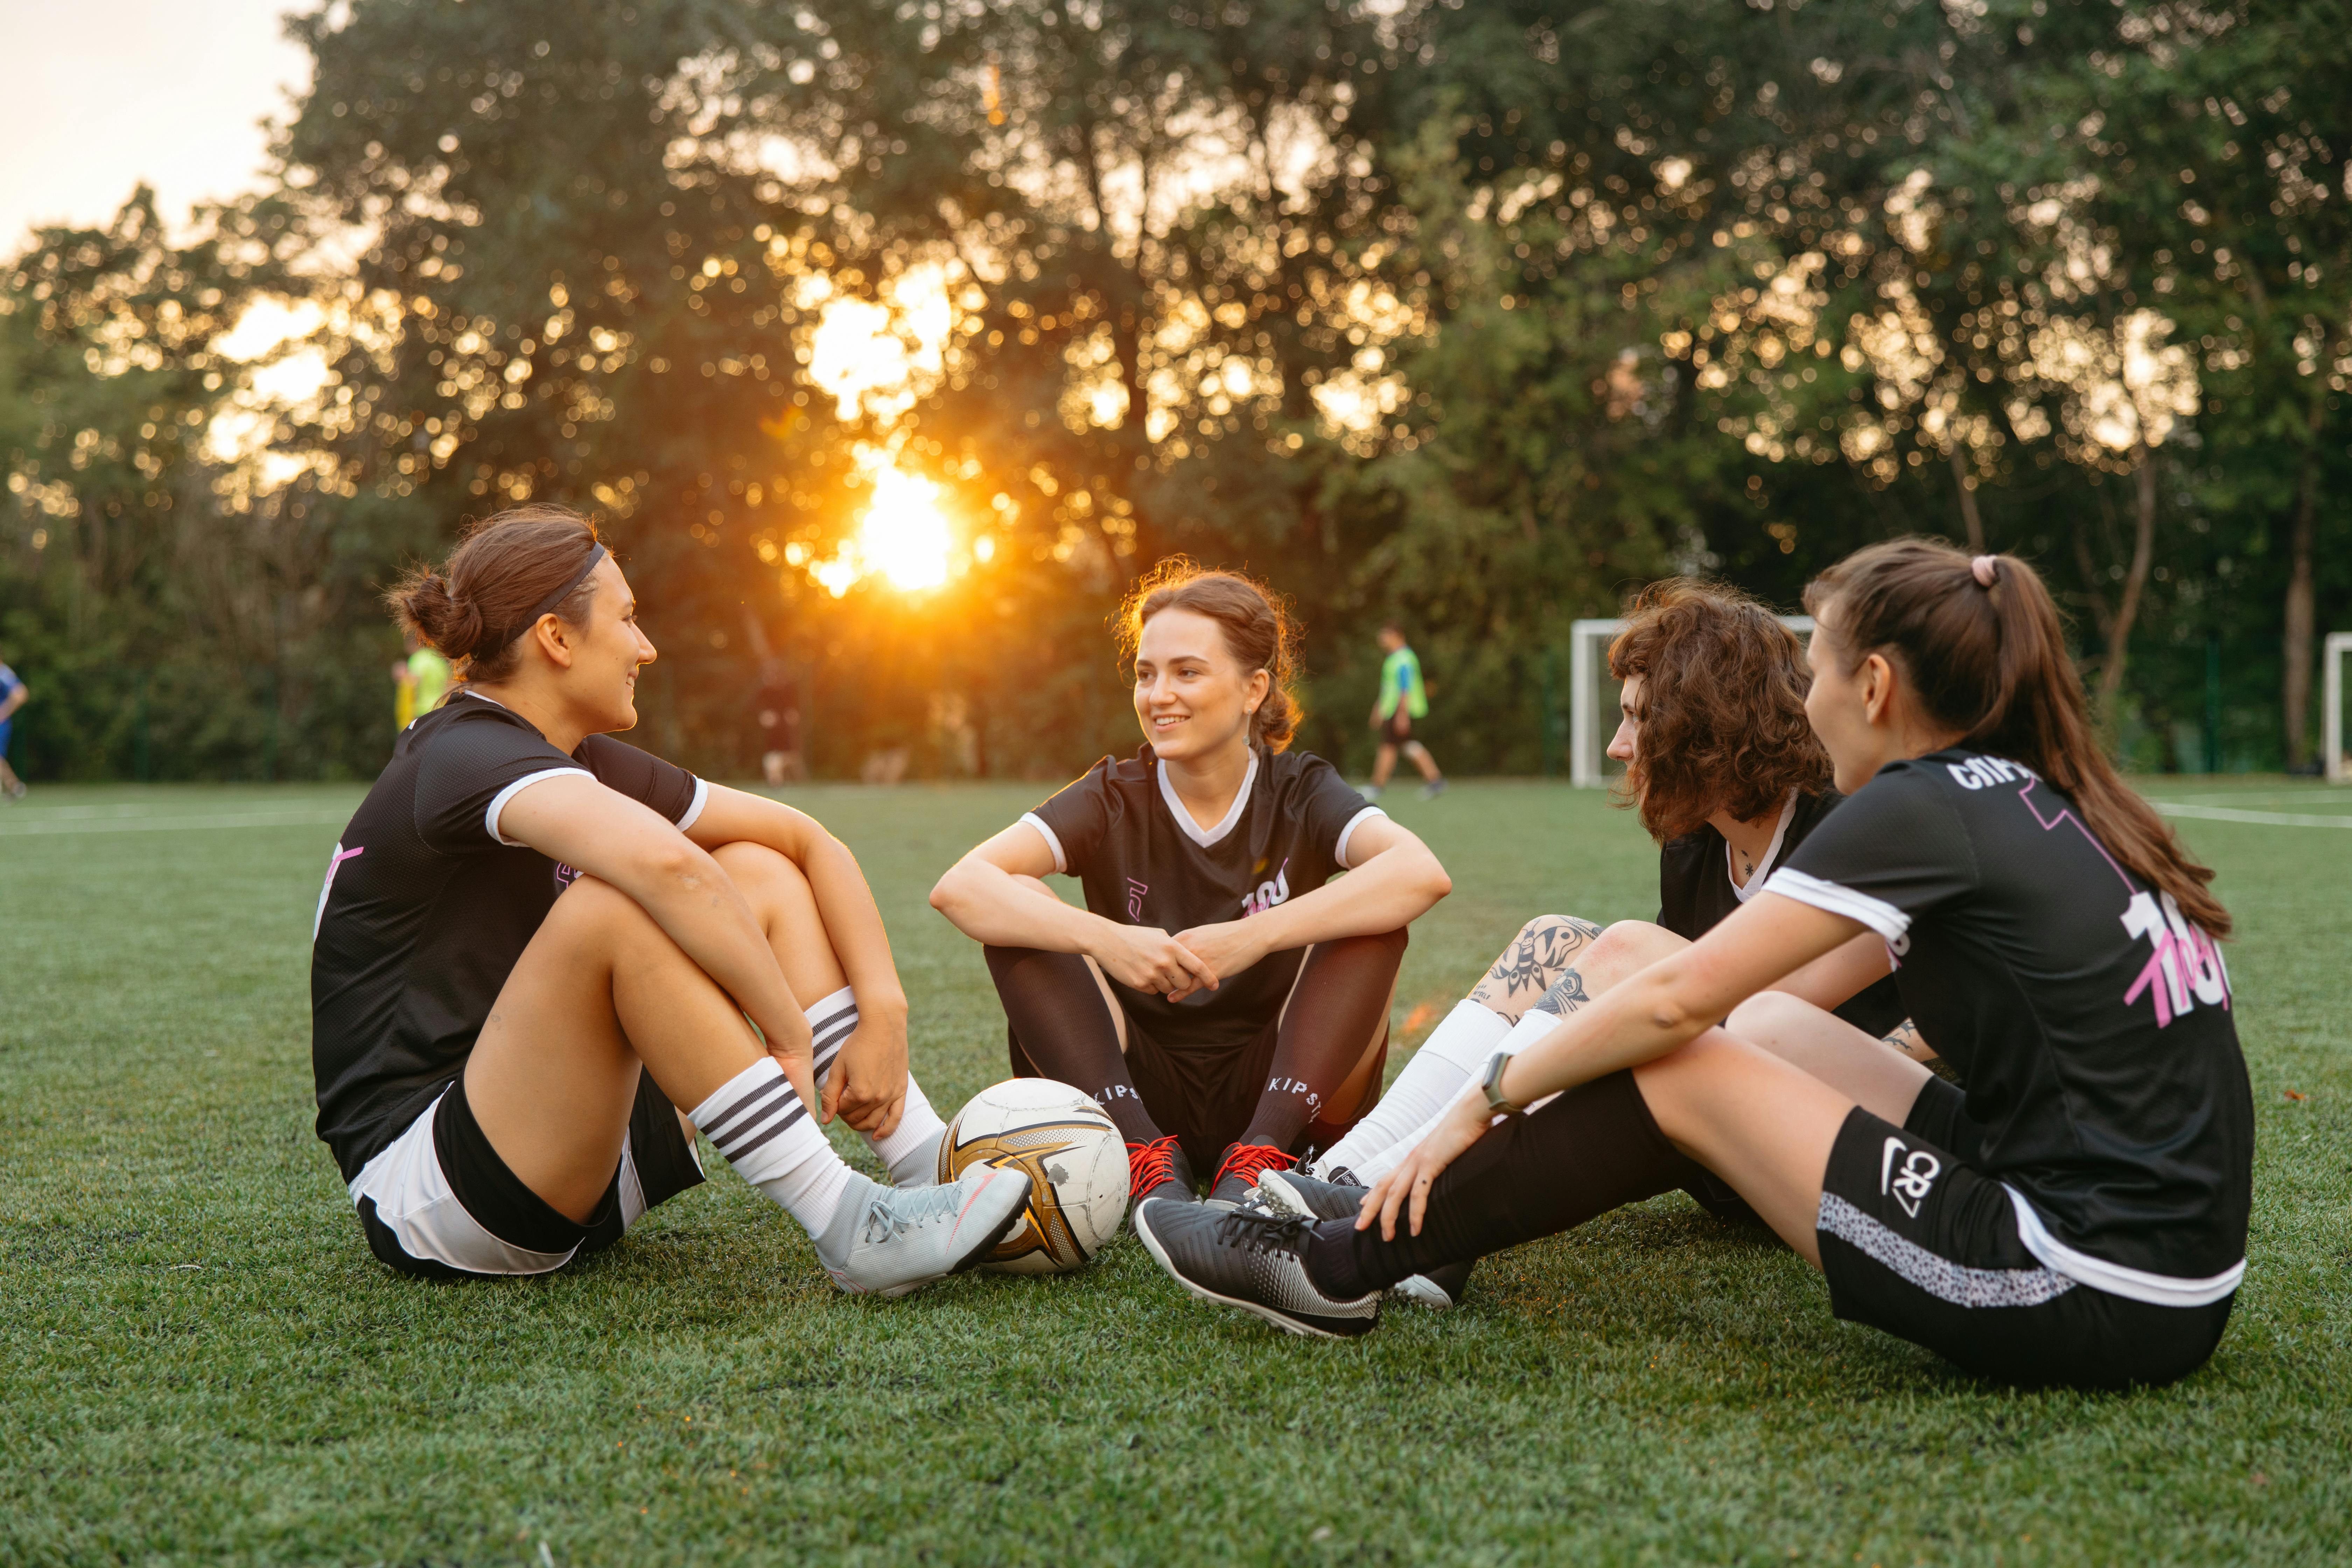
(1593,1149)
(1276,1089)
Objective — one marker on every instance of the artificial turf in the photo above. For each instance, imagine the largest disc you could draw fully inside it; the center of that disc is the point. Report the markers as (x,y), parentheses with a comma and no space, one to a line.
(199,1359)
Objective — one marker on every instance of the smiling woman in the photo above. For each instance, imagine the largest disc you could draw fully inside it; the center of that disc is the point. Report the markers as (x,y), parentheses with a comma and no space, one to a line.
(1220,995)
(537,950)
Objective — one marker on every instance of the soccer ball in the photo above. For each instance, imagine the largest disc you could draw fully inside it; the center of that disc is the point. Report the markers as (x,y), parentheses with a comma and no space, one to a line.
(1077,1163)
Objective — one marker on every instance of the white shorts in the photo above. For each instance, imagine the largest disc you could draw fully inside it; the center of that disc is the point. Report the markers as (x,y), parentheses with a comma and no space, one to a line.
(407,1196)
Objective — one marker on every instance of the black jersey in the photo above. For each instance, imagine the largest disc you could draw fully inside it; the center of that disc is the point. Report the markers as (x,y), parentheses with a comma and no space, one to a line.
(2088,1021)
(1143,861)
(426,910)
(1695,894)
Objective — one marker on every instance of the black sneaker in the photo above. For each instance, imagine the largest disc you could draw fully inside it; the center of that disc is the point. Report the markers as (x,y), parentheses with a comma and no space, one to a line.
(1297,1193)
(1253,1258)
(1160,1170)
(1238,1172)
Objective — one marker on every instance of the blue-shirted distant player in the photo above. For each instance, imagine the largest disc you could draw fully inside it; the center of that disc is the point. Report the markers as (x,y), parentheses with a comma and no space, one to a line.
(12,693)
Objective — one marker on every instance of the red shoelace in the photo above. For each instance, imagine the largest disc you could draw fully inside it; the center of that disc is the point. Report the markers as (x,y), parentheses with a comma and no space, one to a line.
(1148,1164)
(1249,1161)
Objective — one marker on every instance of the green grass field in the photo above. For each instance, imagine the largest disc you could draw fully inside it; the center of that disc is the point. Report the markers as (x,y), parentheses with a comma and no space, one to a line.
(199,1359)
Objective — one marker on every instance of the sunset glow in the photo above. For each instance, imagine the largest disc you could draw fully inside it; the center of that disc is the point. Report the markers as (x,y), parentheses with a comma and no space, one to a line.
(905,535)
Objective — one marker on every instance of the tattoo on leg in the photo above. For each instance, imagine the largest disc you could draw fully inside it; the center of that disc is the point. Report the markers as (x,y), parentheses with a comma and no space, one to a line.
(1567,994)
(1534,962)
(1906,1038)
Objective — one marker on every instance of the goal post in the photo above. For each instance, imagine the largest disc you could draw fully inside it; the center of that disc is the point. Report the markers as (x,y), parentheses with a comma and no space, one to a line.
(2331,708)
(1590,719)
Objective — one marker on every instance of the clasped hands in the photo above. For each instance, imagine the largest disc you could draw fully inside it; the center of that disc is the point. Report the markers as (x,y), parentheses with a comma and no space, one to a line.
(1145,958)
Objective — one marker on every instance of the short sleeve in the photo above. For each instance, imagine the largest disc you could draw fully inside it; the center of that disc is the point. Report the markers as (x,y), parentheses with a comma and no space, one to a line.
(1075,820)
(645,778)
(1892,852)
(470,769)
(1331,809)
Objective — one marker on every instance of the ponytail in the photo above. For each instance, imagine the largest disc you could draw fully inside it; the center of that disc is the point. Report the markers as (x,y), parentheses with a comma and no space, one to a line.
(1981,643)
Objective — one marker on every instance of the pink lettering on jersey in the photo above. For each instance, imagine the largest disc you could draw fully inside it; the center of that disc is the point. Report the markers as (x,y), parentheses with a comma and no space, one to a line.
(1135,892)
(334,864)
(2184,962)
(1268,894)
(2184,967)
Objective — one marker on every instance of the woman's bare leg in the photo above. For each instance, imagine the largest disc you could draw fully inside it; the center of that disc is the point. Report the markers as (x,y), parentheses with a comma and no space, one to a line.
(599,994)
(1860,1066)
(1761,1123)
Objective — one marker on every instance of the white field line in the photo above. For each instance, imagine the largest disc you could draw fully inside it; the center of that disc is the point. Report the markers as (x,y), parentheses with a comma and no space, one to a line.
(174,824)
(2319,798)
(2264,818)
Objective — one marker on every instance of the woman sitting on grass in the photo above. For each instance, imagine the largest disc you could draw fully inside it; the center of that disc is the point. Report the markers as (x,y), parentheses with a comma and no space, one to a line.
(1729,779)
(534,941)
(2078,1216)
(1224,1000)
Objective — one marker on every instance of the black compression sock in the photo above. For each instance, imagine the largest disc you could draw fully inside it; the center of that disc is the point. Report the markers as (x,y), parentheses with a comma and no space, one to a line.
(1594,1149)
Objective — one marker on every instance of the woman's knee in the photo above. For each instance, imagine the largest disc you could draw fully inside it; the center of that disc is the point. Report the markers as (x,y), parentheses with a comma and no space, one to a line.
(595,917)
(1770,1014)
(759,871)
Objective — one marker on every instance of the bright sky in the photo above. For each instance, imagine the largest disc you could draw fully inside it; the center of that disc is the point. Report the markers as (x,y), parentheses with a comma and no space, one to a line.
(104,93)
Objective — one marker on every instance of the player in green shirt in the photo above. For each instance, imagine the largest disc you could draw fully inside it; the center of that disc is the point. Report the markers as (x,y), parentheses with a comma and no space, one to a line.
(419,682)
(1403,699)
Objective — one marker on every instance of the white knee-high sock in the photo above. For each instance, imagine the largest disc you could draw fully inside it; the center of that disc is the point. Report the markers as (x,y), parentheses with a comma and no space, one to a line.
(911,1152)
(1525,1032)
(758,1122)
(1456,1051)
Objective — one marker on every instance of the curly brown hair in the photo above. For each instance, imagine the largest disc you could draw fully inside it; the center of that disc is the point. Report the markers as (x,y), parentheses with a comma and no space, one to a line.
(1722,708)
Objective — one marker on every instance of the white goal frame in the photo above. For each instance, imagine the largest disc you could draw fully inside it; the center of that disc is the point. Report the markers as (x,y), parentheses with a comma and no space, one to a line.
(1588,661)
(2331,712)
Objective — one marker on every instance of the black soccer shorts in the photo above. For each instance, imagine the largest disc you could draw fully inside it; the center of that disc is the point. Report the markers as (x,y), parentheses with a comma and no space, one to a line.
(466,1216)
(1916,1242)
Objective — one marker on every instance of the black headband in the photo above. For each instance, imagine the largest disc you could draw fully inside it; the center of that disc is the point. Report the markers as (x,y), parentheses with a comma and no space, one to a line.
(548,604)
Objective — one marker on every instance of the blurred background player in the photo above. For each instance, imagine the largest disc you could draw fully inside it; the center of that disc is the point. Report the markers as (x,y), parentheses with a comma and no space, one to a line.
(1403,699)
(776,712)
(13,695)
(419,681)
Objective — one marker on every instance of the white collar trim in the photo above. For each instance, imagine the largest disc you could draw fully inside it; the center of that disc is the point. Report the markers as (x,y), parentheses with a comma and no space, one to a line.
(1205,836)
(1771,853)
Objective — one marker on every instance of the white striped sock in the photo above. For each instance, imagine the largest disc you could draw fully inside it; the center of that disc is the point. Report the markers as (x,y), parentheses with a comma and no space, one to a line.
(911,1152)
(757,1121)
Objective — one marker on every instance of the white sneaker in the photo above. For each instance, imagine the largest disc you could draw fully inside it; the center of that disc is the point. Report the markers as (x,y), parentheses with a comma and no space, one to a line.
(886,1241)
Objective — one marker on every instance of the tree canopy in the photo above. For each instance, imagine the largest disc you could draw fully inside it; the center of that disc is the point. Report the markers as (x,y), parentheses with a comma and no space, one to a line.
(893,341)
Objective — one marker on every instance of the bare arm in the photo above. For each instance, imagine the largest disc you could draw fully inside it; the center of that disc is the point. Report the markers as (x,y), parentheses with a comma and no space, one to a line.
(1396,879)
(1648,1016)
(572,818)
(1840,974)
(870,1086)
(984,897)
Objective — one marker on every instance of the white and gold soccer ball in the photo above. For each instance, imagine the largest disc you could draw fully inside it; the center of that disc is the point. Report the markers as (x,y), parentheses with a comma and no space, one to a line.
(1077,1163)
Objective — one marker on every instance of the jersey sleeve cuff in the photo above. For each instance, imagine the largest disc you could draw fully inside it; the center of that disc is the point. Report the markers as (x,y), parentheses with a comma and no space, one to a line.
(499,801)
(1061,861)
(1876,914)
(1339,851)
(694,807)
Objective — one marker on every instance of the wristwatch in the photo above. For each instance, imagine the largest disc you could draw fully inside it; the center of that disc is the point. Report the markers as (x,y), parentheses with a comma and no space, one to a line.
(1492,1084)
